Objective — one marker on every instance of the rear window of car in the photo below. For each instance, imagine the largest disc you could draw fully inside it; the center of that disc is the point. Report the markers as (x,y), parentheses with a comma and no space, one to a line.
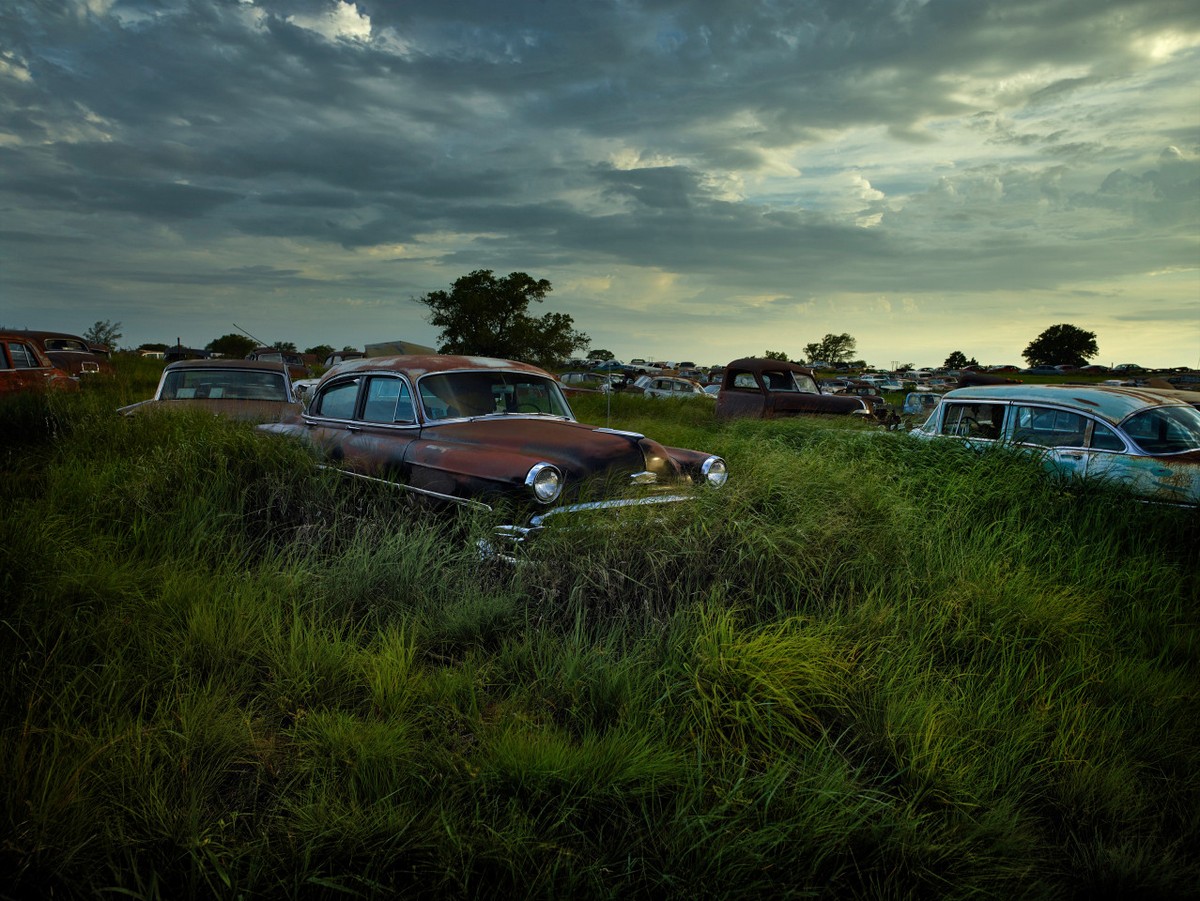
(65,344)
(223,384)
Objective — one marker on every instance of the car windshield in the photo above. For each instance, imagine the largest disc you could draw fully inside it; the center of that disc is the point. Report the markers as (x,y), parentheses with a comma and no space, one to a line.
(223,384)
(786,380)
(1165,430)
(477,392)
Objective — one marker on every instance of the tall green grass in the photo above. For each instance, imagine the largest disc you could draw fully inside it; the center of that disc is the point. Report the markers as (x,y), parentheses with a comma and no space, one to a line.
(869,667)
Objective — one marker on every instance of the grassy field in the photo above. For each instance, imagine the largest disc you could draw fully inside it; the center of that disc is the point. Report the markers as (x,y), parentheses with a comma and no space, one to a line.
(869,668)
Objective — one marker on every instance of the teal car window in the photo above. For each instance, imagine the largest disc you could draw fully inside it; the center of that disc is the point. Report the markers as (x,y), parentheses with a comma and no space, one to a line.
(1165,430)
(973,420)
(1048,427)
(1104,438)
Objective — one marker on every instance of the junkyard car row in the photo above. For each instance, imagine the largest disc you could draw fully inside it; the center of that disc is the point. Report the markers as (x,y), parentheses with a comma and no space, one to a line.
(485,432)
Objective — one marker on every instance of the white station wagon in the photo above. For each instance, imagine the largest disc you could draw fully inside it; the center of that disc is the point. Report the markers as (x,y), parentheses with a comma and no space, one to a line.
(1144,439)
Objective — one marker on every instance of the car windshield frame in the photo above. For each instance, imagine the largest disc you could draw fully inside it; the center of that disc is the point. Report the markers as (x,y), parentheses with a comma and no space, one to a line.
(483,393)
(1176,429)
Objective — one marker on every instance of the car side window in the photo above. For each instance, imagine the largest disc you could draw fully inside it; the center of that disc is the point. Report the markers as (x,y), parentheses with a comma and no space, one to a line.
(745,380)
(973,420)
(337,401)
(22,356)
(1104,438)
(1048,427)
(388,400)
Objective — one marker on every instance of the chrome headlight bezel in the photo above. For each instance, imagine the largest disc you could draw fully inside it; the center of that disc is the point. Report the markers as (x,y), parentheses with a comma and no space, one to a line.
(715,472)
(545,482)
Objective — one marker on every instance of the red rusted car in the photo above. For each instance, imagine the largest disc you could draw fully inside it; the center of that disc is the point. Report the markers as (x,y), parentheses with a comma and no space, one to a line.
(478,431)
(71,353)
(24,367)
(759,388)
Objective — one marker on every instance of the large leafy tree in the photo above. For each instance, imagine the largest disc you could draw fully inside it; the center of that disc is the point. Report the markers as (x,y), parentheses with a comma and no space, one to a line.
(483,315)
(320,351)
(232,345)
(832,349)
(957,360)
(104,332)
(1061,344)
(775,355)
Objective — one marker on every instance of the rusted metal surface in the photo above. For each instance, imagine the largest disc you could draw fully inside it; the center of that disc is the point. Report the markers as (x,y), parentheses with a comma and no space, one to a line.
(24,367)
(71,353)
(765,389)
(433,440)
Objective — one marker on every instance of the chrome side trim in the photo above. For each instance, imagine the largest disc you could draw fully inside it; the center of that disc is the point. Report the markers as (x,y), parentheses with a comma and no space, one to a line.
(400,486)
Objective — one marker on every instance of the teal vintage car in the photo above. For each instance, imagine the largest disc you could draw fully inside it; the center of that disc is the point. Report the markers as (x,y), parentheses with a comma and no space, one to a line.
(1144,439)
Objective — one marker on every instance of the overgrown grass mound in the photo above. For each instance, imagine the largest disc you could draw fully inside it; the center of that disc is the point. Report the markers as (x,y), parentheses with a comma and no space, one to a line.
(869,667)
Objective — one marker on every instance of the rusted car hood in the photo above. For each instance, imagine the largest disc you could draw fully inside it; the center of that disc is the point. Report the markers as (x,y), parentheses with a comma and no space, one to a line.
(579,449)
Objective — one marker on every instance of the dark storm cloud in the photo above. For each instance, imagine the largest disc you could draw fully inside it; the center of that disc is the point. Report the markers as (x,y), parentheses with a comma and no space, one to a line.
(861,146)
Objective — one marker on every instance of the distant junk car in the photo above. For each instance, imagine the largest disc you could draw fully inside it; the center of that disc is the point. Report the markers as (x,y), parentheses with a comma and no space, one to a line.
(25,367)
(673,386)
(256,390)
(767,389)
(71,353)
(1145,439)
(481,431)
(297,366)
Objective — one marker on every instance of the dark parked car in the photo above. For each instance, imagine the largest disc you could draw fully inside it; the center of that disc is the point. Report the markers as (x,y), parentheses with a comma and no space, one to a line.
(72,354)
(765,389)
(471,430)
(24,367)
(257,390)
(297,366)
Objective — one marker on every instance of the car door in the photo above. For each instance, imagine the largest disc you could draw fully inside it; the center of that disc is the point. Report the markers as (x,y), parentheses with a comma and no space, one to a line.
(22,368)
(365,423)
(1059,437)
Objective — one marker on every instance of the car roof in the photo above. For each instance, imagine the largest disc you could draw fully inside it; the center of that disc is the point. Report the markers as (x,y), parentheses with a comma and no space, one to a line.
(43,335)
(1111,403)
(424,364)
(761,364)
(227,363)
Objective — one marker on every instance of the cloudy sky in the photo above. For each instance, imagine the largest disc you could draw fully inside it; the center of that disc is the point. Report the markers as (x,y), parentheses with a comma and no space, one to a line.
(702,180)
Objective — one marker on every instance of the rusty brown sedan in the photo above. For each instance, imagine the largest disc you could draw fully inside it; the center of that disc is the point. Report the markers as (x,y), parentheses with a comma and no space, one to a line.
(481,431)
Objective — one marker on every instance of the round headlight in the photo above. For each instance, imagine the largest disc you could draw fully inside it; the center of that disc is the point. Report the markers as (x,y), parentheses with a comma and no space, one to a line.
(545,481)
(715,472)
